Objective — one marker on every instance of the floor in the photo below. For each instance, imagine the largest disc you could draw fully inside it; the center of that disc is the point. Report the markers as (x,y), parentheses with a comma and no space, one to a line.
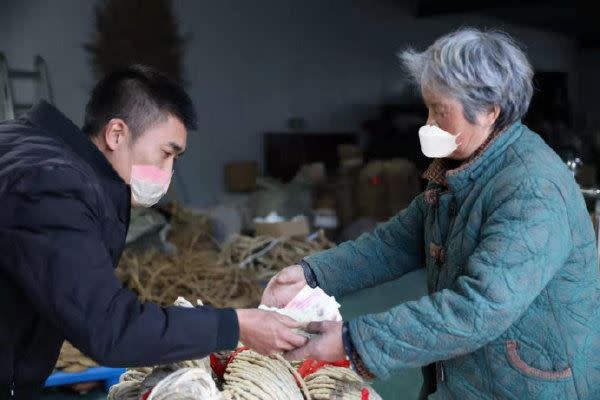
(403,385)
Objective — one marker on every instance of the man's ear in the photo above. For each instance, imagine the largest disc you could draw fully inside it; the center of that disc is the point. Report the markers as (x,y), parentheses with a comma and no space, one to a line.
(116,134)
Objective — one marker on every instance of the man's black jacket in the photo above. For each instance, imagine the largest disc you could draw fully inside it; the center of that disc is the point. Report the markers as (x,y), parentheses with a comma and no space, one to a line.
(64,213)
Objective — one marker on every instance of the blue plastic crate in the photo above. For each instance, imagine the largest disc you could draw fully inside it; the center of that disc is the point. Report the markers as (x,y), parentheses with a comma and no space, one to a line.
(110,376)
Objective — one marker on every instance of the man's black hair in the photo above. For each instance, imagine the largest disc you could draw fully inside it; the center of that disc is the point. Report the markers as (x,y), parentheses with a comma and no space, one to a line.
(139,95)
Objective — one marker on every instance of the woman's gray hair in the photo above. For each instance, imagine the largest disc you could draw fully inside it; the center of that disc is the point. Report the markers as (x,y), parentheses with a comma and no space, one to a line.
(479,69)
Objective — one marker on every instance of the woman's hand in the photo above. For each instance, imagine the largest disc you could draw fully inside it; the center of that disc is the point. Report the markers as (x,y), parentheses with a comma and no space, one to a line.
(283,287)
(326,346)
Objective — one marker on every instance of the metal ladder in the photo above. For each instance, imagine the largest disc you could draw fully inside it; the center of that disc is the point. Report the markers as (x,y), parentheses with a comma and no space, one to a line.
(39,75)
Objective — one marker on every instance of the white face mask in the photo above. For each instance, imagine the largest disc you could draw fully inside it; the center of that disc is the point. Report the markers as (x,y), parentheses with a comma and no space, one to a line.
(149,184)
(436,142)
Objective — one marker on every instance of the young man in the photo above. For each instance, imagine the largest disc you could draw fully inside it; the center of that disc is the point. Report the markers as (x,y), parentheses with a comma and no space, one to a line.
(66,195)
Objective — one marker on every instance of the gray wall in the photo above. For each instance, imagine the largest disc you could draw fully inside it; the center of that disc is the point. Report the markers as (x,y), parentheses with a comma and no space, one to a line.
(253,64)
(589,89)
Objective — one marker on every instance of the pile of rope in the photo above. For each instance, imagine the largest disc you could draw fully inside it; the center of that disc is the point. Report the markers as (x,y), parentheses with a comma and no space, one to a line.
(337,383)
(266,256)
(72,360)
(250,376)
(224,277)
(160,278)
(242,375)
(179,381)
(192,271)
(166,382)
(189,230)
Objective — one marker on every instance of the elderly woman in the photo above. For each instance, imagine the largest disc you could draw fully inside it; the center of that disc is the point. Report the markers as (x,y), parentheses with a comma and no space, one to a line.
(502,232)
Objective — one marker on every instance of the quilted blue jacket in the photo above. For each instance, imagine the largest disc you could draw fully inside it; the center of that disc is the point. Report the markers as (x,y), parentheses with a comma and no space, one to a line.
(513,306)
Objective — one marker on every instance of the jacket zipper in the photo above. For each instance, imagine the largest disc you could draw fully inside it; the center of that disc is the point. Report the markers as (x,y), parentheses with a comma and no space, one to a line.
(13,378)
(439,365)
(11,391)
(452,211)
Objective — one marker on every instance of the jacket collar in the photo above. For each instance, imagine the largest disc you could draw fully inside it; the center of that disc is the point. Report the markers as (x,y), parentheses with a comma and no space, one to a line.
(55,123)
(440,173)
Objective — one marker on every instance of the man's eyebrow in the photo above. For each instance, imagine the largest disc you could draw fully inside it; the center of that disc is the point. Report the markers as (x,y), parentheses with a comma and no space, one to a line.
(176,148)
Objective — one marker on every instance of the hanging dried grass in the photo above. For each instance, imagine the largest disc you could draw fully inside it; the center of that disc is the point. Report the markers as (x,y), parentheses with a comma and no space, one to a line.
(136,32)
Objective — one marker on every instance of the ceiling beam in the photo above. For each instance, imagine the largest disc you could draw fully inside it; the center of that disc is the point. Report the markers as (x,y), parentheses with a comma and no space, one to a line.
(429,8)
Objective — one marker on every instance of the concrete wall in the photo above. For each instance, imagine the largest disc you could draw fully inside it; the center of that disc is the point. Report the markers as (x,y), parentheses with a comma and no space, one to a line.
(251,65)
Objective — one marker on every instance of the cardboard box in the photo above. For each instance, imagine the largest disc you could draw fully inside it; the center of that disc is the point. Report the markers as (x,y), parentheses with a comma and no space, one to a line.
(240,176)
(289,228)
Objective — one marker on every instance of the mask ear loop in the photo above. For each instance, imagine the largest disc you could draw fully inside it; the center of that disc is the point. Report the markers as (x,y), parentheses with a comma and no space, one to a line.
(456,140)
(170,181)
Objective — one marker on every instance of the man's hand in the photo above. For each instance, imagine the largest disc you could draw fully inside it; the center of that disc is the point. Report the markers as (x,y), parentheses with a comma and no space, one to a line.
(284,286)
(267,332)
(327,346)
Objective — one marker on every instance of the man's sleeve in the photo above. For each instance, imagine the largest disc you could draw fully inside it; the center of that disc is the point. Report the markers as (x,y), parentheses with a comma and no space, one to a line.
(62,266)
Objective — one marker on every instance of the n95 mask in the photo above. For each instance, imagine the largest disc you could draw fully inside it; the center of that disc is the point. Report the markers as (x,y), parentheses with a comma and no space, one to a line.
(436,142)
(149,184)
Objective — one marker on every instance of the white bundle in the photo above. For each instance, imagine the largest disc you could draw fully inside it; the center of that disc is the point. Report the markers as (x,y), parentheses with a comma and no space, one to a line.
(186,384)
(310,304)
(178,381)
(157,375)
(125,390)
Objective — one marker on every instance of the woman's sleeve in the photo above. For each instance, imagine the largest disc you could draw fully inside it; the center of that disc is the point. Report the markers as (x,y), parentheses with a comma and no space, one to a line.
(525,240)
(391,250)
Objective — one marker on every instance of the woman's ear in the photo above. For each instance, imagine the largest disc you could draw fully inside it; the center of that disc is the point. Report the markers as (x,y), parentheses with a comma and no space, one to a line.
(489,117)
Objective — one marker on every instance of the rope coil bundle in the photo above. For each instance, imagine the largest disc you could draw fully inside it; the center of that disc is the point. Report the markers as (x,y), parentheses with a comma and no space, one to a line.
(243,375)
(337,383)
(251,376)
(247,376)
(186,384)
